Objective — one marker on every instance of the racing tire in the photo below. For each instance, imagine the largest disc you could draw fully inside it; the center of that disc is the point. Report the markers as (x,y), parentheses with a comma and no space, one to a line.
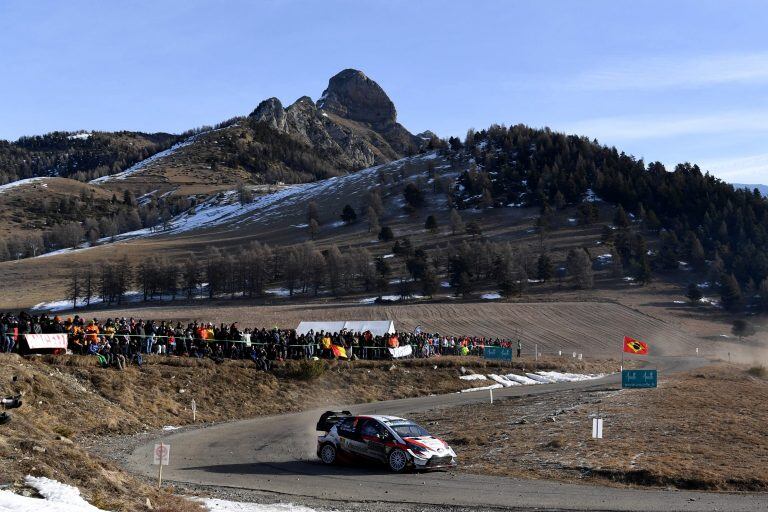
(398,460)
(328,454)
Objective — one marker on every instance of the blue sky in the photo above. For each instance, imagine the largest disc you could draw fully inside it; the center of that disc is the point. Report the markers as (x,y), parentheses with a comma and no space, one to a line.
(668,80)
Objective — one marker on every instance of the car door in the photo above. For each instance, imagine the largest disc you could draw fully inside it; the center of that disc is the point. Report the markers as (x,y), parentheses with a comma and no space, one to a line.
(376,437)
(350,439)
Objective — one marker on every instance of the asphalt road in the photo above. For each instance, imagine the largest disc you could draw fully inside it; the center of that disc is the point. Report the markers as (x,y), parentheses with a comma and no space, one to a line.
(277,454)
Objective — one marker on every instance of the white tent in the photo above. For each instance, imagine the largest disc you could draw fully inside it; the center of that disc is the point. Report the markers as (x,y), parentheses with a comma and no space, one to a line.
(377,327)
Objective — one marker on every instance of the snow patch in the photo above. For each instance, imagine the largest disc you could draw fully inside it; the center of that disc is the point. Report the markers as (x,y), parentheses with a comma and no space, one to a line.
(591,197)
(569,377)
(57,497)
(521,379)
(482,388)
(490,296)
(280,292)
(391,298)
(503,380)
(19,183)
(216,505)
(473,376)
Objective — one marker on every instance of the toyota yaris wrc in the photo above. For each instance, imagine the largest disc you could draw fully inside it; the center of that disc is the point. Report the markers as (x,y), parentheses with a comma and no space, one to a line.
(397,442)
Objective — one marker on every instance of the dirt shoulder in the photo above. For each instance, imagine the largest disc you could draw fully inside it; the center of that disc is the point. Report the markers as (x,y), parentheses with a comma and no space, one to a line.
(70,404)
(699,430)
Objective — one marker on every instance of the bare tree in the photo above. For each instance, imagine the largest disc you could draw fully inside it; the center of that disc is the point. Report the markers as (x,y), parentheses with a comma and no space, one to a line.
(457,225)
(73,288)
(373,220)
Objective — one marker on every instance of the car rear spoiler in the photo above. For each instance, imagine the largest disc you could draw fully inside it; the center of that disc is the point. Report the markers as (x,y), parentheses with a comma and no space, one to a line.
(329,418)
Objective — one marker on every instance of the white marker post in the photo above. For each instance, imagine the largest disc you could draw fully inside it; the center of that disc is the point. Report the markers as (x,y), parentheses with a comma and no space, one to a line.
(536,351)
(162,455)
(597,428)
(491,390)
(194,411)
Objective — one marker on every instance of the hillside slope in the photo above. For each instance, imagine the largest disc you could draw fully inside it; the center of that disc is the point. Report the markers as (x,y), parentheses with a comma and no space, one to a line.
(80,155)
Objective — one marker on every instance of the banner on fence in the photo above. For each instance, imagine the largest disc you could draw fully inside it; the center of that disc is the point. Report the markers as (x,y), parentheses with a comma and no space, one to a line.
(502,353)
(404,351)
(38,341)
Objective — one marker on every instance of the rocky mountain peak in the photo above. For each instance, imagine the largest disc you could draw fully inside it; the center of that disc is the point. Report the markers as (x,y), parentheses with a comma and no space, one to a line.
(271,112)
(352,95)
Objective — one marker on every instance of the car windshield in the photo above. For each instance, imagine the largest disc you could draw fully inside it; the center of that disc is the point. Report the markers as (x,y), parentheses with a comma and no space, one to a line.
(408,429)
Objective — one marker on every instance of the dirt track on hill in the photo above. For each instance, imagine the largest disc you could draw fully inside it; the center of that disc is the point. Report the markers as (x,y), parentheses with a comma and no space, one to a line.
(594,329)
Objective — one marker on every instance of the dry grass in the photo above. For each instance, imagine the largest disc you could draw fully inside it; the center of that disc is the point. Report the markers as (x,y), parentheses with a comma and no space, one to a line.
(67,399)
(702,430)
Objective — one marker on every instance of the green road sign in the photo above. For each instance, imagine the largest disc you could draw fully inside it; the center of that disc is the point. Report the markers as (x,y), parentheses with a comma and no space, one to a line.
(501,353)
(639,378)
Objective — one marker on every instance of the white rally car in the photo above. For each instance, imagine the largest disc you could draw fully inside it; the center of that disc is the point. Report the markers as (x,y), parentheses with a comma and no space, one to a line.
(397,442)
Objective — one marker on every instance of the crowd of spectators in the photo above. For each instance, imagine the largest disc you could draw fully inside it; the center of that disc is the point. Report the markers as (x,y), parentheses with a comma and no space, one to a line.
(121,341)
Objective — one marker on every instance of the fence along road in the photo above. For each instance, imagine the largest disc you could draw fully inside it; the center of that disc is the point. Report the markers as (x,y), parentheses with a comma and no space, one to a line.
(277,454)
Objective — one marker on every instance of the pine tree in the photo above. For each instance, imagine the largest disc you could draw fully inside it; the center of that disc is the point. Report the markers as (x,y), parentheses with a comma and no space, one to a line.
(620,219)
(413,196)
(382,275)
(386,234)
(730,293)
(742,328)
(644,272)
(474,229)
(431,224)
(545,269)
(580,268)
(763,291)
(429,284)
(348,214)
(694,293)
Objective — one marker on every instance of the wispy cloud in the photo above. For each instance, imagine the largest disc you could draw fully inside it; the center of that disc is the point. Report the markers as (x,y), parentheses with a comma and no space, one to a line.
(614,129)
(752,169)
(669,73)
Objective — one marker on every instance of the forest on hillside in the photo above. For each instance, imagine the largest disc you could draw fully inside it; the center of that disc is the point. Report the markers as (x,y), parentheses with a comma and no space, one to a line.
(82,155)
(700,220)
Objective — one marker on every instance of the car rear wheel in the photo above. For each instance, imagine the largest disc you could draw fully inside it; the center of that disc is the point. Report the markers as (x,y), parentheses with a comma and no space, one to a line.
(328,454)
(398,460)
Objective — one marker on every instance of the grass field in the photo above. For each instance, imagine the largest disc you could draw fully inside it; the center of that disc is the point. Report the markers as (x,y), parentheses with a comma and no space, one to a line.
(701,430)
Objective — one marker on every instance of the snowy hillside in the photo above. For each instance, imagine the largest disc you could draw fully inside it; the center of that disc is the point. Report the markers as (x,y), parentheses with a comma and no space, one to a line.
(225,211)
(139,166)
(20,183)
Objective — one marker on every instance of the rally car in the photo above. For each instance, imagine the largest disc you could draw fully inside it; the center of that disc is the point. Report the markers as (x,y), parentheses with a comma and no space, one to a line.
(399,443)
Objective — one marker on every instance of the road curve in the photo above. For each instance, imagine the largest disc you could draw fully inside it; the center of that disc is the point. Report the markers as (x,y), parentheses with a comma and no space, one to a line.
(277,454)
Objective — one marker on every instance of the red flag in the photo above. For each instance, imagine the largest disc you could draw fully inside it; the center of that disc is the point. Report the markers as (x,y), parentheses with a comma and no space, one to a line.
(339,352)
(634,346)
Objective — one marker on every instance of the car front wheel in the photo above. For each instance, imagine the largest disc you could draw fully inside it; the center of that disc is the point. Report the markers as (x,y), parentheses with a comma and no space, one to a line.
(328,454)
(398,460)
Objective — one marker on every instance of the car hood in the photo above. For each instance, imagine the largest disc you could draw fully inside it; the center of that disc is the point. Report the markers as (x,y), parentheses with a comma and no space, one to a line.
(428,442)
